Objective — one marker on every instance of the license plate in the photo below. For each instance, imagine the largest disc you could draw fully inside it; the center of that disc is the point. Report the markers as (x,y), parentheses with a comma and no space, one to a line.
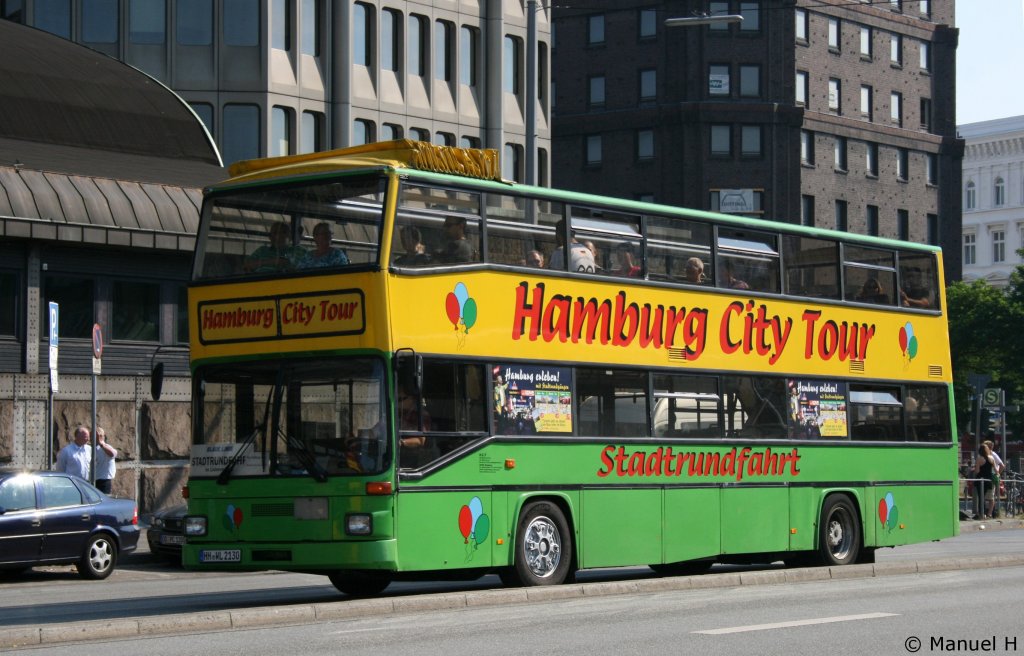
(220,556)
(172,539)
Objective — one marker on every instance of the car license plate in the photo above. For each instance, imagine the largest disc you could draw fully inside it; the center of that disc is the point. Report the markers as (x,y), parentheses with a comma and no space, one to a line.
(172,539)
(220,556)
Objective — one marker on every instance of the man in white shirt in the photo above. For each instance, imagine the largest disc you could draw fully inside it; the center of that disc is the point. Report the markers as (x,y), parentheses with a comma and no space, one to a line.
(76,457)
(105,455)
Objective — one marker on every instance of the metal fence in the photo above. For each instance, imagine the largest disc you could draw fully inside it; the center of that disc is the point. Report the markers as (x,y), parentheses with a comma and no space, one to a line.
(1008,499)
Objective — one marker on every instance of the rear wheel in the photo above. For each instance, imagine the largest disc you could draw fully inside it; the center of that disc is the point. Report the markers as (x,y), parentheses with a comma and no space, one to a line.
(543,545)
(99,558)
(359,583)
(838,532)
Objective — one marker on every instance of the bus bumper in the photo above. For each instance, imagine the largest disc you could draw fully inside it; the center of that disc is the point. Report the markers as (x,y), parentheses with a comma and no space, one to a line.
(305,556)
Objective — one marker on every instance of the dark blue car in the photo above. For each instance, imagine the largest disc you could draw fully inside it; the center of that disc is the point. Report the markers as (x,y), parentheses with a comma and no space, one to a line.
(49,518)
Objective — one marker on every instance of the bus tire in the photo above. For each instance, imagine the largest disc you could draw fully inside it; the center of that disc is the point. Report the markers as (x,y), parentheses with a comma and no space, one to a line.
(357,583)
(543,547)
(838,531)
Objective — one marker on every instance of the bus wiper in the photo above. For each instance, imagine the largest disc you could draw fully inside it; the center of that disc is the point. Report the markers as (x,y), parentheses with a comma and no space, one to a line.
(306,459)
(225,474)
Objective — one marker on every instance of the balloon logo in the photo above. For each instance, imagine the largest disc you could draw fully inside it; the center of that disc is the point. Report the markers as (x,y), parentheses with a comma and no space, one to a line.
(888,513)
(474,525)
(908,341)
(233,518)
(460,308)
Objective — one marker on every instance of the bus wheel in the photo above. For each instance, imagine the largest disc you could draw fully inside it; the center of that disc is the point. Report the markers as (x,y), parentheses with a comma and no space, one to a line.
(359,583)
(839,531)
(543,545)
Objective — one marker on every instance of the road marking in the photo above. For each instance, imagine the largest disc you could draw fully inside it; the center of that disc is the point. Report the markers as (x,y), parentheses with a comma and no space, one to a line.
(784,625)
(355,631)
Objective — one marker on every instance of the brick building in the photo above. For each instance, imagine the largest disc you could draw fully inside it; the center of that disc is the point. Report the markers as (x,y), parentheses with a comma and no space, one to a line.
(834,114)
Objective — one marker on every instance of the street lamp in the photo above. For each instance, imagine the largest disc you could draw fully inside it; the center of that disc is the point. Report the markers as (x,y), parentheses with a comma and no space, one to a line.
(703,19)
(531,92)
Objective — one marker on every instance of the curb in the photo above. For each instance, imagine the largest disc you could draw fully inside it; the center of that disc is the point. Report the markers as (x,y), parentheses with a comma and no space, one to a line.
(27,636)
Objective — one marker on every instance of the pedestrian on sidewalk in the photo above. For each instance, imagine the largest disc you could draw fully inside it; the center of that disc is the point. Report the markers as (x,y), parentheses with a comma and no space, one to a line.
(105,462)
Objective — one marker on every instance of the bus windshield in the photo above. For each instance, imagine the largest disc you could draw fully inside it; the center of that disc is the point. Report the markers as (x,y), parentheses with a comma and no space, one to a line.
(303,228)
(319,418)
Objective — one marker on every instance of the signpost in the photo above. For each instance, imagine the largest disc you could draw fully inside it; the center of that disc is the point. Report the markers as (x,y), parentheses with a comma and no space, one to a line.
(97,353)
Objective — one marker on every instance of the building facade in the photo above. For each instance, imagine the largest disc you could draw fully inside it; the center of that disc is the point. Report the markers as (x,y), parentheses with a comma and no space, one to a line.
(993,196)
(279,77)
(834,114)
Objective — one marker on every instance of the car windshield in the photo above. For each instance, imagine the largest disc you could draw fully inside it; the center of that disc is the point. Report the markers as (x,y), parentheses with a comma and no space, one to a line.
(316,418)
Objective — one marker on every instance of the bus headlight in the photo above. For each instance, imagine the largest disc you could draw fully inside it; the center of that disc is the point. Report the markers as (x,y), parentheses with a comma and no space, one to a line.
(195,526)
(358,524)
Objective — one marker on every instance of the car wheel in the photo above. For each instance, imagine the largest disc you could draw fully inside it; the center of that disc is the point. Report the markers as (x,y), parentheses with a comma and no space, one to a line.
(99,557)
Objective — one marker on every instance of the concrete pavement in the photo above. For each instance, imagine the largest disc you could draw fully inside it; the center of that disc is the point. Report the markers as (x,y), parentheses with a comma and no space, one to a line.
(27,636)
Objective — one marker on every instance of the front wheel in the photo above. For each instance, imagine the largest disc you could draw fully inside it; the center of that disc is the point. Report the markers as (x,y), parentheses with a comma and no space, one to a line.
(359,583)
(543,546)
(99,558)
(838,532)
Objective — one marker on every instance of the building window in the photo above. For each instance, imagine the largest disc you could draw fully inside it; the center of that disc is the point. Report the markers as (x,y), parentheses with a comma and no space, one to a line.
(194,20)
(721,140)
(998,246)
(310,27)
(240,132)
(362,132)
(596,93)
(645,144)
(312,137)
(718,9)
(925,56)
(443,53)
(100,21)
(896,50)
(390,132)
(511,67)
(865,101)
(9,302)
(467,56)
(136,311)
(801,88)
(205,113)
(896,5)
(801,25)
(750,81)
(1000,192)
(53,16)
(718,80)
(750,141)
(932,225)
(390,39)
(281,24)
(241,23)
(835,88)
(648,23)
(931,162)
(896,107)
(871,159)
(751,12)
(971,196)
(512,162)
(593,150)
(807,210)
(903,225)
(147,21)
(280,131)
(595,30)
(865,42)
(468,142)
(841,215)
(75,296)
(970,248)
(806,147)
(648,84)
(419,134)
(840,153)
(871,218)
(833,33)
(444,139)
(926,113)
(362,36)
(416,55)
(925,7)
(902,164)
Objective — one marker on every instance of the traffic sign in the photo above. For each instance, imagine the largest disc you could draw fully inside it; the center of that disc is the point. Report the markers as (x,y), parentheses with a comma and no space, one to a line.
(992,397)
(97,341)
(54,314)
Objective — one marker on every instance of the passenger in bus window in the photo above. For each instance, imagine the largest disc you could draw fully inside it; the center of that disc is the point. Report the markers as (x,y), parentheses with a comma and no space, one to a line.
(412,243)
(581,258)
(914,293)
(625,261)
(695,271)
(324,255)
(535,259)
(730,279)
(871,292)
(413,450)
(278,255)
(457,248)
(597,256)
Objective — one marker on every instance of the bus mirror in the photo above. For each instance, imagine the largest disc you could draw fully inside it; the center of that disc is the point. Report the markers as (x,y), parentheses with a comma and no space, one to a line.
(156,381)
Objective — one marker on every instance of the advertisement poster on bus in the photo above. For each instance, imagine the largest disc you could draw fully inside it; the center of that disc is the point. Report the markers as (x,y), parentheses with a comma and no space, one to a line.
(532,400)
(817,409)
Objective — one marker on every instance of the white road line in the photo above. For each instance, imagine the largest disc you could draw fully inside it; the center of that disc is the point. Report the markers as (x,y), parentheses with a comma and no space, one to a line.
(784,625)
(356,631)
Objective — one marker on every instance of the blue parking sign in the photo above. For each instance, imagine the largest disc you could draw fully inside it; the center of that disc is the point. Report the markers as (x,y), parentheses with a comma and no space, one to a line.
(54,314)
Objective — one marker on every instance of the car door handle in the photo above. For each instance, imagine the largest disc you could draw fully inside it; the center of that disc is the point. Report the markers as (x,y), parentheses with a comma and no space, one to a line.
(86,517)
(36,523)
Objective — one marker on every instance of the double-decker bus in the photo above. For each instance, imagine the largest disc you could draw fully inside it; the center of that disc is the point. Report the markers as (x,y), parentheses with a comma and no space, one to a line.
(404,366)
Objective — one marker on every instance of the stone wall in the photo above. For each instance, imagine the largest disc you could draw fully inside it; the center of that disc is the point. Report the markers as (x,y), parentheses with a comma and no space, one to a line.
(6,431)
